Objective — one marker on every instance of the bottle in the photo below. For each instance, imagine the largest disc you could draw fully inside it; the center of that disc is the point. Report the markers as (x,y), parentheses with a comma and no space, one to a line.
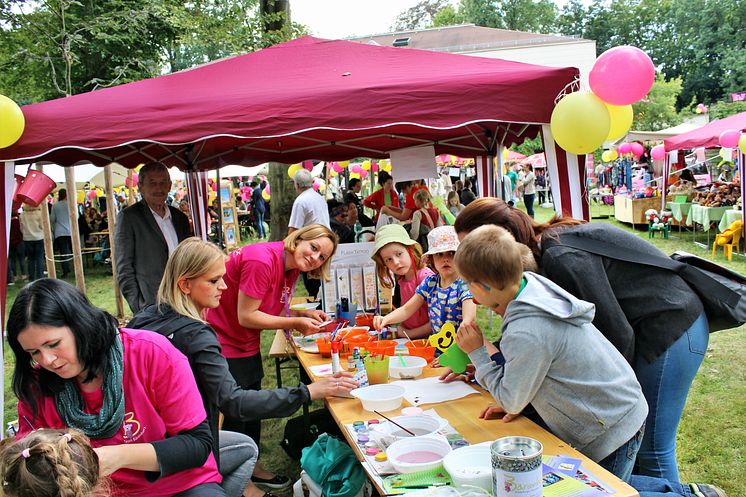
(351,364)
(336,366)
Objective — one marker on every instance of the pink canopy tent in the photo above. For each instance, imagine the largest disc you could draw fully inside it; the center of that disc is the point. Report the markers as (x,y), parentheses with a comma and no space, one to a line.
(708,137)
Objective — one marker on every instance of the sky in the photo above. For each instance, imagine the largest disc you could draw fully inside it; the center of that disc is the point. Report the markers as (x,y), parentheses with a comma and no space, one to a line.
(345,18)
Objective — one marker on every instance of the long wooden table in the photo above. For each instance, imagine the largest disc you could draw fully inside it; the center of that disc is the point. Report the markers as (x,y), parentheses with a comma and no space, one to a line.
(463,415)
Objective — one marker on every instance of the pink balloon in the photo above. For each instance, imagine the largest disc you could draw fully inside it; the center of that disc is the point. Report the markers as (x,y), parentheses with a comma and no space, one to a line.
(374,167)
(307,165)
(134,180)
(337,168)
(658,152)
(266,189)
(91,194)
(622,75)
(637,149)
(356,168)
(729,138)
(363,173)
(624,148)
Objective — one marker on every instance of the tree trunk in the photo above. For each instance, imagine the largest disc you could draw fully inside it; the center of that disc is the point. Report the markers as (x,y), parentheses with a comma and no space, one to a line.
(270,9)
(281,202)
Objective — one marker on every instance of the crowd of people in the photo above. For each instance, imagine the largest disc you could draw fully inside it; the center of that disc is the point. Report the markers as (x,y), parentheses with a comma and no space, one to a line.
(588,349)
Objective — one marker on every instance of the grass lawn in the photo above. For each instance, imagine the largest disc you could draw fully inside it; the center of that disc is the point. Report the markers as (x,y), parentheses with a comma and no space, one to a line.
(711,438)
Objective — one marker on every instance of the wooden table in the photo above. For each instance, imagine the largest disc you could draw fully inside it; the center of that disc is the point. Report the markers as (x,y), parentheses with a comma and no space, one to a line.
(462,414)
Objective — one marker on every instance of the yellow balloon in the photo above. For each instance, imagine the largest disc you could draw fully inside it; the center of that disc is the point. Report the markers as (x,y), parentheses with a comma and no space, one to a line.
(606,156)
(13,122)
(344,163)
(613,154)
(366,165)
(387,167)
(332,172)
(265,195)
(742,143)
(505,153)
(621,120)
(354,175)
(81,197)
(294,169)
(580,123)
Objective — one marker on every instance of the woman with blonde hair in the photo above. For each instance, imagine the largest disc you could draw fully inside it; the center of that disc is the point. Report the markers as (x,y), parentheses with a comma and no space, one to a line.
(260,280)
(51,463)
(193,283)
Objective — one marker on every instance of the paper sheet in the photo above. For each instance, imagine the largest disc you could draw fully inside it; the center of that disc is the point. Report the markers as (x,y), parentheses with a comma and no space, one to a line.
(430,390)
(321,369)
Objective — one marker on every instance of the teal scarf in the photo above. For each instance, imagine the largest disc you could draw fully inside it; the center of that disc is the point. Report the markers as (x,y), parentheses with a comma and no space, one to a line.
(109,419)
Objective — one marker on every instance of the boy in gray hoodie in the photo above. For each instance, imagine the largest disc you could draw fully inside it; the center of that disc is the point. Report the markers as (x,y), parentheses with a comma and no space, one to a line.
(555,359)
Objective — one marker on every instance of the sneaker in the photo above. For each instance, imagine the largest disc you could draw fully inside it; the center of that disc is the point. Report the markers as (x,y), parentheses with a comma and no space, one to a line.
(278,482)
(706,490)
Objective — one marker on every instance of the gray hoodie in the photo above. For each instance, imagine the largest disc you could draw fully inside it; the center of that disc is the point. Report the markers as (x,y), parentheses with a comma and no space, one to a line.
(555,359)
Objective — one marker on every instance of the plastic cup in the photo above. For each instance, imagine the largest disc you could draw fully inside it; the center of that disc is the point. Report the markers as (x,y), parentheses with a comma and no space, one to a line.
(377,369)
(421,348)
(325,347)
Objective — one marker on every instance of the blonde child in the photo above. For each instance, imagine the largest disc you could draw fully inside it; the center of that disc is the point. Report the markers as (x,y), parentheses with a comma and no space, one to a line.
(51,463)
(454,203)
(399,262)
(445,294)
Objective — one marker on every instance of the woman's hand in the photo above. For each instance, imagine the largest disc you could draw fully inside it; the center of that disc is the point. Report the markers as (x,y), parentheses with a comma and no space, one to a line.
(469,337)
(449,376)
(339,384)
(314,314)
(307,326)
(494,411)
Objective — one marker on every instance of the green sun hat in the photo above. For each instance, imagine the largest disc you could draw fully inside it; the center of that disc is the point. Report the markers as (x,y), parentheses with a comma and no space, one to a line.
(391,233)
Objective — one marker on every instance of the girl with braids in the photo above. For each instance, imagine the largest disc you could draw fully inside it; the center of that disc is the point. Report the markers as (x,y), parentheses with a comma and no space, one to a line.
(130,391)
(51,463)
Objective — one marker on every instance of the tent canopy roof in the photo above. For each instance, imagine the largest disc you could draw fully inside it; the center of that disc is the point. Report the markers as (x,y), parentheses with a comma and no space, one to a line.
(305,99)
(663,133)
(707,136)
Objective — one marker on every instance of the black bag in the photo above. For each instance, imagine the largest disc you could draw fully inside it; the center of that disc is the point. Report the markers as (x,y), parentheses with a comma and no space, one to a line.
(721,290)
(300,433)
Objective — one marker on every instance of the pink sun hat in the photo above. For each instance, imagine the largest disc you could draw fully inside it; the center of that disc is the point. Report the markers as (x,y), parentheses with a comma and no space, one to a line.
(441,239)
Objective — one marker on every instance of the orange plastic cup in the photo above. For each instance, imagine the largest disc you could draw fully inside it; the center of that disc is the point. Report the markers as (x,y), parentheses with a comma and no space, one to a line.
(364,320)
(381,347)
(325,347)
(421,348)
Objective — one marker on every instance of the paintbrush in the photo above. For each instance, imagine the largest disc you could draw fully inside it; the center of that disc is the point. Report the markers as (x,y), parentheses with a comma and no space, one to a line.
(394,423)
(405,334)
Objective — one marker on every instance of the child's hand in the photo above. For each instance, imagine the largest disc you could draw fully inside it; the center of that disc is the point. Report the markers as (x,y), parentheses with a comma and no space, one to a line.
(379,322)
(494,411)
(449,376)
(469,337)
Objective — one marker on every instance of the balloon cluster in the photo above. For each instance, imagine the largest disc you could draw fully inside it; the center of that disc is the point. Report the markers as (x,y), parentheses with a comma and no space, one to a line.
(12,121)
(582,121)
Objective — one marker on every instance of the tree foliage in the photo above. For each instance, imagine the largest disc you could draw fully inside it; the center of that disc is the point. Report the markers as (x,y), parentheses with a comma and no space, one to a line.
(421,15)
(658,110)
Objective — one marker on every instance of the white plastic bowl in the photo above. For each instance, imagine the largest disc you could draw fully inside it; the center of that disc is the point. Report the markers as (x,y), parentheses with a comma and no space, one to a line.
(410,455)
(380,397)
(411,368)
(421,425)
(470,465)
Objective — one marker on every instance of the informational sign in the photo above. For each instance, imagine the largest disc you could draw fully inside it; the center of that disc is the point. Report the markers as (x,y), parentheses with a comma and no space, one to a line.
(413,163)
(353,276)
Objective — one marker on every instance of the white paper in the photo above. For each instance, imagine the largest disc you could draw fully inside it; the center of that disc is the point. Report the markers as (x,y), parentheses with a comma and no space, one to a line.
(432,389)
(321,370)
(414,163)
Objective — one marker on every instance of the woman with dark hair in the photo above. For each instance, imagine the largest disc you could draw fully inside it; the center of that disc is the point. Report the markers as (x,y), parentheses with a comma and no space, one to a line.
(131,392)
(193,283)
(386,195)
(651,315)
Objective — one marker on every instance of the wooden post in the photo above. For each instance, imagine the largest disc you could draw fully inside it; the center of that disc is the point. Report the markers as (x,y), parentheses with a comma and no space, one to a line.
(72,210)
(48,246)
(110,208)
(283,196)
(130,190)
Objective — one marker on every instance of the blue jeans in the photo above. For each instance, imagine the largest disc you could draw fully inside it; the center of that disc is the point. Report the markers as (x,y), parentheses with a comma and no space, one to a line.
(238,455)
(528,201)
(35,258)
(621,461)
(665,383)
(650,486)
(262,233)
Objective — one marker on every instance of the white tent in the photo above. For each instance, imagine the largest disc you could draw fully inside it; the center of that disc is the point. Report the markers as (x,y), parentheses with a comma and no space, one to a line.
(664,133)
(233,171)
(84,173)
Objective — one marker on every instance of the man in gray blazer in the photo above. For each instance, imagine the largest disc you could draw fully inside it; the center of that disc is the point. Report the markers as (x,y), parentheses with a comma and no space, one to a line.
(146,234)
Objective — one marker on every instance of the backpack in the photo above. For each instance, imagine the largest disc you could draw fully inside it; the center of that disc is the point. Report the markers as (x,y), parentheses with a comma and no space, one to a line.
(301,432)
(333,465)
(720,290)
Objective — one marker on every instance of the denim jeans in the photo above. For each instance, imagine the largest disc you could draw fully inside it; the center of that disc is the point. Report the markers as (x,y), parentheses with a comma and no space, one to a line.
(63,245)
(238,455)
(528,201)
(650,486)
(16,259)
(203,490)
(621,461)
(35,258)
(665,383)
(259,216)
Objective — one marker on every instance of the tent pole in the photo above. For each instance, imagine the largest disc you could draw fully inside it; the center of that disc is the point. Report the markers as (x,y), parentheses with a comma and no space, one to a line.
(110,207)
(48,246)
(130,188)
(72,211)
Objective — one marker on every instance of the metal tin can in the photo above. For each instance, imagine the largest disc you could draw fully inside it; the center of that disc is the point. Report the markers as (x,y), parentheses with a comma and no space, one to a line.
(516,467)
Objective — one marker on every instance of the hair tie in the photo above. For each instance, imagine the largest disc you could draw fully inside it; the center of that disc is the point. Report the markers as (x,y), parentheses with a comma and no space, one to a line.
(26,453)
(68,437)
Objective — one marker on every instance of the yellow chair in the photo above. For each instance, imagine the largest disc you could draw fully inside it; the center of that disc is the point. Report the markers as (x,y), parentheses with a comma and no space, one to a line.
(729,239)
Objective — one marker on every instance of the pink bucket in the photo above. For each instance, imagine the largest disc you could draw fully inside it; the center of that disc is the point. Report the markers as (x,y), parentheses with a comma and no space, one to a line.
(17,203)
(35,188)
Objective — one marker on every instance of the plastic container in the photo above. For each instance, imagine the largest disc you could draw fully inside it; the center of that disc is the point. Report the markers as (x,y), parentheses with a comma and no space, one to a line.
(405,367)
(421,348)
(380,398)
(385,347)
(411,455)
(17,202)
(364,320)
(35,188)
(470,466)
(421,425)
(325,347)
(377,369)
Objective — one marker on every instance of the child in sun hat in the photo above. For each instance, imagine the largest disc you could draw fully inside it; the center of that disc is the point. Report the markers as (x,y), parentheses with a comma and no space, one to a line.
(399,263)
(446,295)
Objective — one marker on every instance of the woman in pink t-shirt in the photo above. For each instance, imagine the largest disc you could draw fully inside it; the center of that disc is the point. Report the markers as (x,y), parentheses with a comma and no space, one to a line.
(260,280)
(141,406)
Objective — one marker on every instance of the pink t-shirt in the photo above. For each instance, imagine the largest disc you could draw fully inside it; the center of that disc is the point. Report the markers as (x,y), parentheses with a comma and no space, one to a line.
(160,400)
(259,272)
(407,290)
